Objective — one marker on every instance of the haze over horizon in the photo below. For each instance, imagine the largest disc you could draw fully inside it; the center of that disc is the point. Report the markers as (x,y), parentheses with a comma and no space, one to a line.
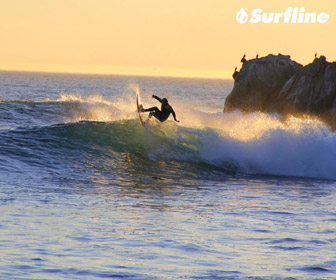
(153,37)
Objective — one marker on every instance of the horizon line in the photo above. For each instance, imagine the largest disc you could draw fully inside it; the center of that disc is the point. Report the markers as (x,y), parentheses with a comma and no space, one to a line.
(117,74)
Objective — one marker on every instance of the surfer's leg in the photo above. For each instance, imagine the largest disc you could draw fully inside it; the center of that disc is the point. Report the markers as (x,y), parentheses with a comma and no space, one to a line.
(155,109)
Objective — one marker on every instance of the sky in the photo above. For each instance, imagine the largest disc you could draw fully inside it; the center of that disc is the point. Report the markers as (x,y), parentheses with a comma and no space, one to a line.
(184,38)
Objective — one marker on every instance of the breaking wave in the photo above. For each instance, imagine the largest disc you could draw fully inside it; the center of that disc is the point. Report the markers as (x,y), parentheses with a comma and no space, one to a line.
(72,126)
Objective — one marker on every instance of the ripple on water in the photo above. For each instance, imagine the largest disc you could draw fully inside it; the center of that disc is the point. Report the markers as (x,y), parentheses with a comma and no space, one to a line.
(72,273)
(315,269)
(219,274)
(285,240)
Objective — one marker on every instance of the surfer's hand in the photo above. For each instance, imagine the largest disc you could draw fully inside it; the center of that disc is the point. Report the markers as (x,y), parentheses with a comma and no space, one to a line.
(153,96)
(177,121)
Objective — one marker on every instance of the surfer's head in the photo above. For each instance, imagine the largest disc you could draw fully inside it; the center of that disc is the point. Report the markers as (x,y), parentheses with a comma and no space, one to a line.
(164,101)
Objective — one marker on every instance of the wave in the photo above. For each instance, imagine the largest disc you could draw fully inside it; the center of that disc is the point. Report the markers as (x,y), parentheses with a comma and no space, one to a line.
(73,128)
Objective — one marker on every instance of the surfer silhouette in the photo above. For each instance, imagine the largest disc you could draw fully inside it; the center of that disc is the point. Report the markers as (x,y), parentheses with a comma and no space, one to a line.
(162,115)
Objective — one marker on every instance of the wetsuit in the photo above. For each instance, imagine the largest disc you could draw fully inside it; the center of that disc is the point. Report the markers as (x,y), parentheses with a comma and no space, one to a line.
(166,109)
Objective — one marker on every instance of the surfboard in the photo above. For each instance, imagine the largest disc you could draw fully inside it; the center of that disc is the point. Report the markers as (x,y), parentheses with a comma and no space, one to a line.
(139,105)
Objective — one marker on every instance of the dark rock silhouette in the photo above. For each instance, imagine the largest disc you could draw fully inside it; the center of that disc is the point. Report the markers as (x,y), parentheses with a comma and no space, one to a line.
(279,84)
(259,82)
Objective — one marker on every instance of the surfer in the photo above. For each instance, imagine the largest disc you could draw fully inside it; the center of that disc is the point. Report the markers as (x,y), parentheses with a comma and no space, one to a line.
(162,115)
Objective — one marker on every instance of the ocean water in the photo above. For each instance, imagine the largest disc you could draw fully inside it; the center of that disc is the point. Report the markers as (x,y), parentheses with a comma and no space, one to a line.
(86,192)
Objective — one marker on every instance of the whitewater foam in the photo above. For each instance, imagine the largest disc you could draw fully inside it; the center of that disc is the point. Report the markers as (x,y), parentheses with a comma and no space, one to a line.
(262,144)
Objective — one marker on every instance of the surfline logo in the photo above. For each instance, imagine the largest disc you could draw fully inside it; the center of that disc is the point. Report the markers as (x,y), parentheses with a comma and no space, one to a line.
(291,15)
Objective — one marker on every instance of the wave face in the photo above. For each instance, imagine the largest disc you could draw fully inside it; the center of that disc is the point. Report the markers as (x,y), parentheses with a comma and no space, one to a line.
(74,129)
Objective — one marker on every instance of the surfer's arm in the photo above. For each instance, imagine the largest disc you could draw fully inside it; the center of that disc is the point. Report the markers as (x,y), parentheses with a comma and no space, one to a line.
(174,115)
(157,98)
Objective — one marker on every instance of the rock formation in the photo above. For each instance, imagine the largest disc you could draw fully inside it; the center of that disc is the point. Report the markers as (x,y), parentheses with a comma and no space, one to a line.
(279,84)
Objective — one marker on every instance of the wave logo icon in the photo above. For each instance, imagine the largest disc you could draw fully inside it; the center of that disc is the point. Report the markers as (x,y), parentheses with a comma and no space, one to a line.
(290,15)
(242,16)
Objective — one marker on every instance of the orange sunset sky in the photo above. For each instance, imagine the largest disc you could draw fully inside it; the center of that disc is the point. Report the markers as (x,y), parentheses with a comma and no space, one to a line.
(186,38)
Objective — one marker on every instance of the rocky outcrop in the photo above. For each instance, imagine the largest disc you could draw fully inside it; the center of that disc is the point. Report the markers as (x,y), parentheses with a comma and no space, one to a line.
(313,89)
(259,83)
(279,84)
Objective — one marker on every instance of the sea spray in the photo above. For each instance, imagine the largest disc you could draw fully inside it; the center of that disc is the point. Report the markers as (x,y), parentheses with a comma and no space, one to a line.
(96,108)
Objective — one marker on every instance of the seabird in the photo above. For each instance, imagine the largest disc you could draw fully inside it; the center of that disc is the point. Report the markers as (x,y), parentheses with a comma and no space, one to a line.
(235,73)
